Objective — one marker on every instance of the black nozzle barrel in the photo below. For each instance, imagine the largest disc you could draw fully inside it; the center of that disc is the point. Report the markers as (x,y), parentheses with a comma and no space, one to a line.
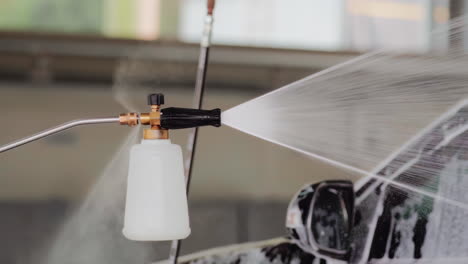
(177,118)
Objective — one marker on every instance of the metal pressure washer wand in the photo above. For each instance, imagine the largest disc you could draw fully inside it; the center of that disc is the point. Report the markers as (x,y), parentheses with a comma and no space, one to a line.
(159,121)
(57,129)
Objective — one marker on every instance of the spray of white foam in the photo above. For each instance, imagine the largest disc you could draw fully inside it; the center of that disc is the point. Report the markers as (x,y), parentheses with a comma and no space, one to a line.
(356,114)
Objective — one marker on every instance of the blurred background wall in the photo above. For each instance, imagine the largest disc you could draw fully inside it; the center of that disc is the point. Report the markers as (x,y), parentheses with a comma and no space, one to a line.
(62,60)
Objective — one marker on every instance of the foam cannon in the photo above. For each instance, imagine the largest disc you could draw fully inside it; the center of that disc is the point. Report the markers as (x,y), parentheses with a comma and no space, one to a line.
(156,202)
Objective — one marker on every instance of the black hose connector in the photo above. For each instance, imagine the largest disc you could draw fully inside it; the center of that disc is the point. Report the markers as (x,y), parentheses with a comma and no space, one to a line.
(177,118)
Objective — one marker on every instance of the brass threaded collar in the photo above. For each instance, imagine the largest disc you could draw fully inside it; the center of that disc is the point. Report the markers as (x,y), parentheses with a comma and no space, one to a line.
(155,133)
(129,119)
(152,119)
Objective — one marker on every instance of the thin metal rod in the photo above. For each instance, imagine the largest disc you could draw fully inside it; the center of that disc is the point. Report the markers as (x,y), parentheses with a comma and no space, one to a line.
(57,129)
(197,104)
(191,149)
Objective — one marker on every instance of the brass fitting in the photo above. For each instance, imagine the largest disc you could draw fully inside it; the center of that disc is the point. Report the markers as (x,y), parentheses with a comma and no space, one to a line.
(152,119)
(129,119)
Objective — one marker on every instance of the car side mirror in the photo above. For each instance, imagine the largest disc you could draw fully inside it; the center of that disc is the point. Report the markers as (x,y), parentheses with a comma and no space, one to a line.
(331,218)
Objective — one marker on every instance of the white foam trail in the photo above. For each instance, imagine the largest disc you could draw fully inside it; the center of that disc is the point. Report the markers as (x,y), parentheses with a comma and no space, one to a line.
(356,114)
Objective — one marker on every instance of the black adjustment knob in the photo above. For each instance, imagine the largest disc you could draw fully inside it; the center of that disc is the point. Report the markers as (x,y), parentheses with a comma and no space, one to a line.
(156,99)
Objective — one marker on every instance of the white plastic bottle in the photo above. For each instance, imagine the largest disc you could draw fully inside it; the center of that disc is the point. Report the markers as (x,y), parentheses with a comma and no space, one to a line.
(156,204)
